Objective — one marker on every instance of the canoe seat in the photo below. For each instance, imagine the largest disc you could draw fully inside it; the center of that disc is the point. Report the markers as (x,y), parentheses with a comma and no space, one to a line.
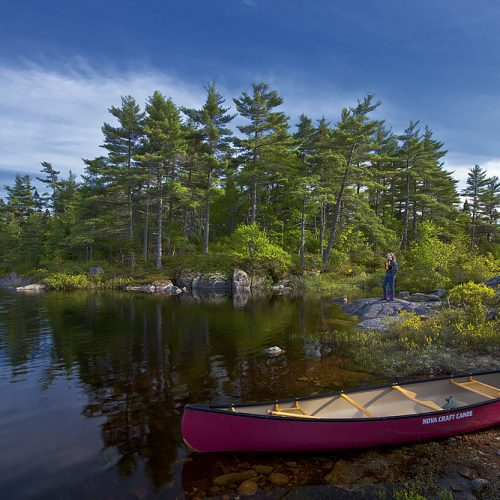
(413,396)
(294,411)
(478,387)
(361,408)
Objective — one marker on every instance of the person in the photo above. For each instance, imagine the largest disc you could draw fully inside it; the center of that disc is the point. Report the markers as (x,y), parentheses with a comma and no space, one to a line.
(391,269)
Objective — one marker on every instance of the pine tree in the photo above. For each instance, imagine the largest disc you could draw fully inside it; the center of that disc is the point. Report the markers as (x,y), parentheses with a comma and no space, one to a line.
(474,190)
(164,145)
(211,123)
(266,130)
(353,139)
(123,144)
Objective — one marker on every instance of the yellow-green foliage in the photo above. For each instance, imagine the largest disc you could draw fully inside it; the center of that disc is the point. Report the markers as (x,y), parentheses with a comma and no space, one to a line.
(431,263)
(64,281)
(254,249)
(470,294)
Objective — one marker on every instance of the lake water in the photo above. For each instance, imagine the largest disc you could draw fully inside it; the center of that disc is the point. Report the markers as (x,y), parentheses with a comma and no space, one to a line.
(92,385)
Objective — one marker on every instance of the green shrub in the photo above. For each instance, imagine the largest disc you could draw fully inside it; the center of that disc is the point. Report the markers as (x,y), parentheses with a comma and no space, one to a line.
(251,246)
(63,281)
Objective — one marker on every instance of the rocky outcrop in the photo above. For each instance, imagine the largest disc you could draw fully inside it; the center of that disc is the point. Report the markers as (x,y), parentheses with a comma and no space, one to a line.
(185,279)
(241,282)
(377,314)
(15,280)
(33,287)
(377,308)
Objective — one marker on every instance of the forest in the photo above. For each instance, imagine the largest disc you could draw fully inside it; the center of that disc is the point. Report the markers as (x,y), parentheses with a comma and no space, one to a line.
(240,185)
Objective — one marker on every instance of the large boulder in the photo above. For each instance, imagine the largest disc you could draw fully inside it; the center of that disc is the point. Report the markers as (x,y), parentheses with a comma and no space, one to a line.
(95,271)
(15,280)
(241,282)
(212,281)
(377,308)
(166,287)
(185,279)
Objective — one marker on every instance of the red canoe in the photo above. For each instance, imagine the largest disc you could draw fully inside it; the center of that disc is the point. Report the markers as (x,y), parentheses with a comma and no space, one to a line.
(378,416)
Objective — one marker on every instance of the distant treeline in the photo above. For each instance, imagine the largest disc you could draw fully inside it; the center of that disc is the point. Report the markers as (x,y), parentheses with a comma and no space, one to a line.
(175,180)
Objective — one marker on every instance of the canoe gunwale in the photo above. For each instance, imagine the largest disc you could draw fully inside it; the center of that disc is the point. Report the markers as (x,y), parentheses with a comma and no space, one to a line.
(223,408)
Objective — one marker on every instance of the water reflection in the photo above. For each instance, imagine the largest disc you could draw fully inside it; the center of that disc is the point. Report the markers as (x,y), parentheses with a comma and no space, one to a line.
(107,376)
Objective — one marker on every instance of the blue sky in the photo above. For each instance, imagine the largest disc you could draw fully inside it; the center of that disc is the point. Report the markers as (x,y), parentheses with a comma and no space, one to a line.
(63,63)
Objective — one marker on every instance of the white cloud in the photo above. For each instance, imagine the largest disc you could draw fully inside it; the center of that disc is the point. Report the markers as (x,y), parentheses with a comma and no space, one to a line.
(56,115)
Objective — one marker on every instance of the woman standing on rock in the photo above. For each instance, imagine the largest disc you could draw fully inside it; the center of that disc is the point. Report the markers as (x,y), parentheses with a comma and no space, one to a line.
(391,269)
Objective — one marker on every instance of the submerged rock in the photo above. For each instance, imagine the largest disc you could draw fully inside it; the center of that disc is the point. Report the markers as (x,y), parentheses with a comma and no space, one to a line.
(247,488)
(234,477)
(341,299)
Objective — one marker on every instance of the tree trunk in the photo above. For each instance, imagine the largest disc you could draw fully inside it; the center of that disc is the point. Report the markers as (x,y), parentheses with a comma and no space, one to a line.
(253,215)
(303,234)
(336,211)
(406,220)
(207,213)
(159,222)
(322,228)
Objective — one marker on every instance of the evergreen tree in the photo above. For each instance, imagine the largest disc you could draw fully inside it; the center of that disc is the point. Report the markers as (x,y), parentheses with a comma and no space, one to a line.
(123,144)
(353,139)
(475,190)
(165,142)
(211,123)
(266,130)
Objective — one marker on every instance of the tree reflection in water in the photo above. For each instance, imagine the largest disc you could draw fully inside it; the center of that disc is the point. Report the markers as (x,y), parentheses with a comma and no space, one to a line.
(138,359)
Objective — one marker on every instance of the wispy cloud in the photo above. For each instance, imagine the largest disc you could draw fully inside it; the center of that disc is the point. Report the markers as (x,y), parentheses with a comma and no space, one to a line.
(56,115)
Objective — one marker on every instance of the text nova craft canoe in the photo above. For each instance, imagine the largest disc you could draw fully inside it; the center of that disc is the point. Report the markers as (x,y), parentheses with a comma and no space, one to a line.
(377,416)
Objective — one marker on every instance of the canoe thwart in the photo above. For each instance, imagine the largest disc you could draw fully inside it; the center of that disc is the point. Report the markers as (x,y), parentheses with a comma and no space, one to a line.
(481,388)
(413,396)
(294,411)
(368,413)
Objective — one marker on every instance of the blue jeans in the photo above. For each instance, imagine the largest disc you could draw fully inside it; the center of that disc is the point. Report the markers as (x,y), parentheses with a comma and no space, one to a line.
(389,281)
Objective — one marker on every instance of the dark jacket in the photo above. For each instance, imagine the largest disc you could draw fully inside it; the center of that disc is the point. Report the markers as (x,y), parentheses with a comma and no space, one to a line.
(391,267)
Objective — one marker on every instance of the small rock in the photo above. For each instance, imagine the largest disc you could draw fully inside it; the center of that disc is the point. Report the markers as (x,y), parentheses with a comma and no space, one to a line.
(433,298)
(274,351)
(341,299)
(234,477)
(404,295)
(263,469)
(498,452)
(419,297)
(456,487)
(278,479)
(466,472)
(291,464)
(247,488)
(479,484)
(440,292)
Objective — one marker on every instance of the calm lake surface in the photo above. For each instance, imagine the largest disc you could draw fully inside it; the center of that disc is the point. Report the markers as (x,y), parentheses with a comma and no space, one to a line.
(92,385)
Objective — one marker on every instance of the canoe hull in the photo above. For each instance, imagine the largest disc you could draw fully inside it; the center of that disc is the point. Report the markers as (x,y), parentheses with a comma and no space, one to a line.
(208,430)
